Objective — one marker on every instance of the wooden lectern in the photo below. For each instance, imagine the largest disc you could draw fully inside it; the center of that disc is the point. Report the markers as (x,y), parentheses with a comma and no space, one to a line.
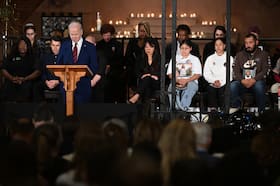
(70,75)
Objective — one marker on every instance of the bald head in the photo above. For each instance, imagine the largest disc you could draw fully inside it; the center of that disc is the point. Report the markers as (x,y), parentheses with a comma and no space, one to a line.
(75,31)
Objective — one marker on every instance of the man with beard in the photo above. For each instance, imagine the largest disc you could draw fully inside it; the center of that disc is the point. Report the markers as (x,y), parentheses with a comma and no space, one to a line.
(254,61)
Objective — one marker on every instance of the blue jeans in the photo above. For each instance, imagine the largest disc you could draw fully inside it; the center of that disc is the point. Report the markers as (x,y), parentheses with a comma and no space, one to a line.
(184,97)
(237,90)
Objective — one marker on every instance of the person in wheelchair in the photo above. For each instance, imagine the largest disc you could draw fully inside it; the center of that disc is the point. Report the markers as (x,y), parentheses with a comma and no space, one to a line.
(188,71)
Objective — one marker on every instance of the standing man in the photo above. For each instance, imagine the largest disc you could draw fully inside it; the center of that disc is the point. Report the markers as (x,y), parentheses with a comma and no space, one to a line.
(76,50)
(249,73)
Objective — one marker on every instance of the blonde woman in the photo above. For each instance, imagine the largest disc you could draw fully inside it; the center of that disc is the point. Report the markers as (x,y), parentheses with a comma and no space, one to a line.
(177,142)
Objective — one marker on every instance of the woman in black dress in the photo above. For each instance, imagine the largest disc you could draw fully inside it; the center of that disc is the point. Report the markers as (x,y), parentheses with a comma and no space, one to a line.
(149,72)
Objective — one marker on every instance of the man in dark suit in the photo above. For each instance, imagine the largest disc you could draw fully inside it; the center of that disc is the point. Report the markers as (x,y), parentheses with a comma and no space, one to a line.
(77,50)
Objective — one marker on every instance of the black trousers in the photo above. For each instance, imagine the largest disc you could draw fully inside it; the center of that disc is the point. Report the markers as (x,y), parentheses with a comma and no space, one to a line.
(147,86)
(216,96)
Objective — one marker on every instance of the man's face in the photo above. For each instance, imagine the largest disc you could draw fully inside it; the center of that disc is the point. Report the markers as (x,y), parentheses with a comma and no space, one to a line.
(30,34)
(182,35)
(55,46)
(250,44)
(107,36)
(75,32)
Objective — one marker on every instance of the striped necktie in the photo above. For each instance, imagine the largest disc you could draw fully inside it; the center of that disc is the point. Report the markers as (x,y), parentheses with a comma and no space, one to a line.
(75,53)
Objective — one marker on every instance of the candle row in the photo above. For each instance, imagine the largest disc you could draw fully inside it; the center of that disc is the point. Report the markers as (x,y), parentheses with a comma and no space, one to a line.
(118,22)
(122,34)
(198,35)
(209,22)
(153,15)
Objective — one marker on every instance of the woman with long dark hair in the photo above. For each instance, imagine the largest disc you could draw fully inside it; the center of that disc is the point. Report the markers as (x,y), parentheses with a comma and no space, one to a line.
(149,72)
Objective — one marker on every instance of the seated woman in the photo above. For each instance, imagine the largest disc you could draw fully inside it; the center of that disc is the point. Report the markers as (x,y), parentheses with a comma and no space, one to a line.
(188,70)
(214,73)
(149,72)
(20,69)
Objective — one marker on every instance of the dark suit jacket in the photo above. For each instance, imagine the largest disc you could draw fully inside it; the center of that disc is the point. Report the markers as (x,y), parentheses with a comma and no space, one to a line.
(87,56)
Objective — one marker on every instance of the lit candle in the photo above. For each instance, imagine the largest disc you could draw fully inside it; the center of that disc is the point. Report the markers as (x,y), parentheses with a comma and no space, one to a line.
(210,23)
(214,22)
(206,22)
(138,15)
(117,22)
(234,29)
(124,23)
(152,15)
(159,15)
(120,22)
(148,15)
(131,15)
(141,15)
(185,14)
(194,14)
(170,15)
(110,22)
(92,29)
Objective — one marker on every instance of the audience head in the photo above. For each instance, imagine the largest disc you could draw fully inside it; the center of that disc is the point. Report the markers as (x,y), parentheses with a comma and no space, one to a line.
(75,31)
(219,32)
(141,169)
(116,132)
(55,44)
(30,32)
(183,31)
(95,158)
(47,140)
(250,43)
(177,142)
(144,30)
(107,31)
(43,114)
(21,129)
(147,130)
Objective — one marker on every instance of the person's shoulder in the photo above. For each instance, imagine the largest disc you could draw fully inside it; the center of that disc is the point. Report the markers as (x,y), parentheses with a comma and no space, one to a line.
(88,44)
(194,58)
(65,42)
